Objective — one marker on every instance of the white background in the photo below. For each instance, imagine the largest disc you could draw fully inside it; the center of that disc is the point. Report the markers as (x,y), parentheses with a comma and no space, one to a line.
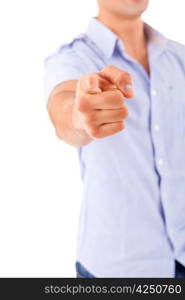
(40,185)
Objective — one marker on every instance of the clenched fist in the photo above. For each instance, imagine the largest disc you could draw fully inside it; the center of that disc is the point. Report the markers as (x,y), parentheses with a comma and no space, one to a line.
(99,106)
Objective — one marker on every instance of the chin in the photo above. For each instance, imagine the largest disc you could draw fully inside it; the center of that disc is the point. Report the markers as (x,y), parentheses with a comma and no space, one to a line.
(132,12)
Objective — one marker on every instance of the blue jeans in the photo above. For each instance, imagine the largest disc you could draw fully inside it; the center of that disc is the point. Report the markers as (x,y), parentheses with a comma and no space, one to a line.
(83,273)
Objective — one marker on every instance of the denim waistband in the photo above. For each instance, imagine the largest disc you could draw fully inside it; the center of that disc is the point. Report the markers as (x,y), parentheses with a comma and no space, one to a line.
(83,271)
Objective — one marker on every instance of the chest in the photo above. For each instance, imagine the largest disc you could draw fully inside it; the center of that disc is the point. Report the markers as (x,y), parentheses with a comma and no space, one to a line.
(142,58)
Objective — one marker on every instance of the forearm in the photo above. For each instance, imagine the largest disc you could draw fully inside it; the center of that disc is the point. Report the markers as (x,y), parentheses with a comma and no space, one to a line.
(60,108)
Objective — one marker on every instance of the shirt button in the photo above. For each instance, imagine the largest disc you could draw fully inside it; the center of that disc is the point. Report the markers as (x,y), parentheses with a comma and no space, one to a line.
(153,92)
(156,127)
(160,162)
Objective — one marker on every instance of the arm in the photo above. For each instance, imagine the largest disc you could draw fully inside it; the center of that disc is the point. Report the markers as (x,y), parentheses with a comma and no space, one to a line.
(91,107)
(60,107)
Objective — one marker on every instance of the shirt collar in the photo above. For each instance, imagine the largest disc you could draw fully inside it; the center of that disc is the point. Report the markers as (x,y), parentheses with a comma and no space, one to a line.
(106,39)
(155,36)
(102,36)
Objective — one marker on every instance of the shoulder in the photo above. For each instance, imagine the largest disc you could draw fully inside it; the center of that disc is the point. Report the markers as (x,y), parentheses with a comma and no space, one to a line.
(176,47)
(70,47)
(78,51)
(74,43)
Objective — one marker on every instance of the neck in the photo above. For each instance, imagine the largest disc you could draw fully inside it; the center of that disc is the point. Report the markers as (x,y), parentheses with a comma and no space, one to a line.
(129,30)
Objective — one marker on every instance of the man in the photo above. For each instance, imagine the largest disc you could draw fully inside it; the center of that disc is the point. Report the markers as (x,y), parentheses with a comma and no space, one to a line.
(117,94)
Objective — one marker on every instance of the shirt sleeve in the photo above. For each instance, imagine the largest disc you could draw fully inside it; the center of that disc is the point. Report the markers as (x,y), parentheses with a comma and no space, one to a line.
(62,65)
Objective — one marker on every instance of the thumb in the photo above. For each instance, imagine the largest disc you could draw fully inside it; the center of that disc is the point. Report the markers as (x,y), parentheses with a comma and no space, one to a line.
(90,83)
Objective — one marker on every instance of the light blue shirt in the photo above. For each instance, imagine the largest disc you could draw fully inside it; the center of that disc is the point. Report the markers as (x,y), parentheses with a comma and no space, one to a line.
(132,220)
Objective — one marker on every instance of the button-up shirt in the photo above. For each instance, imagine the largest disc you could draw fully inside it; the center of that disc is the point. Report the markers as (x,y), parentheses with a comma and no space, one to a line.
(132,220)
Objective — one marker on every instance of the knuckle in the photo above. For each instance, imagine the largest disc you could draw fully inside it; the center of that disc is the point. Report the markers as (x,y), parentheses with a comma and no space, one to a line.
(118,94)
(82,103)
(110,68)
(122,114)
(93,132)
(90,117)
(120,102)
(127,75)
(126,112)
(118,97)
(121,126)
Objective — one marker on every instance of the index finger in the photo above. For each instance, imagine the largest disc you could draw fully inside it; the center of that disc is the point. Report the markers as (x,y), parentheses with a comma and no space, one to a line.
(122,80)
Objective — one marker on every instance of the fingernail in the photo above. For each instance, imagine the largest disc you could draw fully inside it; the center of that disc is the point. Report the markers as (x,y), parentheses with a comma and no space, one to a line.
(90,86)
(88,83)
(94,90)
(128,87)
